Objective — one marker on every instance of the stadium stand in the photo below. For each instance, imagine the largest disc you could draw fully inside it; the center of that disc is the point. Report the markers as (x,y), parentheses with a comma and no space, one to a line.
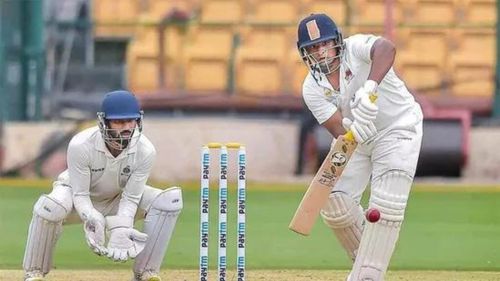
(272,11)
(146,52)
(160,9)
(115,18)
(222,11)
(225,46)
(372,12)
(297,72)
(336,9)
(208,58)
(477,12)
(430,12)
(261,59)
(421,58)
(472,62)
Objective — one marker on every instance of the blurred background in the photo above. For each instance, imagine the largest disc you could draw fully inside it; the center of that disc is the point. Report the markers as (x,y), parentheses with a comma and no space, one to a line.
(228,70)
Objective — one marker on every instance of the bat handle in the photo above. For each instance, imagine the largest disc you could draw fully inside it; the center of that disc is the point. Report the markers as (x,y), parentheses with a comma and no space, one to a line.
(349,136)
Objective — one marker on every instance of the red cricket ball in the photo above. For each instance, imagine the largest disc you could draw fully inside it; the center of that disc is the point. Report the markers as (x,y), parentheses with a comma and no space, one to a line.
(372,215)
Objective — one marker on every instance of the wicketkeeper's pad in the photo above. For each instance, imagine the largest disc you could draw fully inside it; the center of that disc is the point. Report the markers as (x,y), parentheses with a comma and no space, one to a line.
(159,225)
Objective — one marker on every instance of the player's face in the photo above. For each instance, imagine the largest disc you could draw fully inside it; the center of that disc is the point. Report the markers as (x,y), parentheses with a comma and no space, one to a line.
(122,128)
(323,56)
(322,50)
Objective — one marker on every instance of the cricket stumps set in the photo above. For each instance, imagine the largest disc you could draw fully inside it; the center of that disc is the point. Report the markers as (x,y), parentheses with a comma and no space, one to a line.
(223,207)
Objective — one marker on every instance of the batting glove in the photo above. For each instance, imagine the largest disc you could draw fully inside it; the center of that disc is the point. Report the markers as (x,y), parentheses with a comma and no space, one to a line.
(363,133)
(362,108)
(94,229)
(124,241)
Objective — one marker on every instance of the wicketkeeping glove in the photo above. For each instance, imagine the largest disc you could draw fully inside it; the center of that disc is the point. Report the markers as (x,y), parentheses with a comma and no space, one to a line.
(94,228)
(124,241)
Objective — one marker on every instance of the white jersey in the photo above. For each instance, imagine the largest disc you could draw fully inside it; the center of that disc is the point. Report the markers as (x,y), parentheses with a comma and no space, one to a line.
(95,175)
(396,104)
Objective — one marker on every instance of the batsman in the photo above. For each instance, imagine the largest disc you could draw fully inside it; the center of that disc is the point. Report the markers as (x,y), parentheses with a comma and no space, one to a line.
(344,76)
(105,188)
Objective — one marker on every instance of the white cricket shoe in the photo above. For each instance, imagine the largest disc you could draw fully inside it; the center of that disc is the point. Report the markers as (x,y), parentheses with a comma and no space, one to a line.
(33,276)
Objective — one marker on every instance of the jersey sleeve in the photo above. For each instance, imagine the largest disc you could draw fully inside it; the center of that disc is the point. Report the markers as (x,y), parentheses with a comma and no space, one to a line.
(360,46)
(134,189)
(320,107)
(78,159)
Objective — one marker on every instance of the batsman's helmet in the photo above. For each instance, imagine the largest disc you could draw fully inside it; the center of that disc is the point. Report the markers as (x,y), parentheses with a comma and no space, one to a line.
(318,28)
(119,105)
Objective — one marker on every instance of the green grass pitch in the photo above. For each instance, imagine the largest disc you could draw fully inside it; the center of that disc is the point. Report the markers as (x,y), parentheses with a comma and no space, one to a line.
(444,230)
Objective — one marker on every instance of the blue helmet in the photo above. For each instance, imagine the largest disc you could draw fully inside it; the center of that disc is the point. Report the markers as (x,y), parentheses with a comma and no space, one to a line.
(318,28)
(119,105)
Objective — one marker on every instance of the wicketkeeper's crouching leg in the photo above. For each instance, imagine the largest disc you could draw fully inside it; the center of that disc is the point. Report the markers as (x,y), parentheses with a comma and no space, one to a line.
(345,217)
(389,195)
(45,228)
(159,225)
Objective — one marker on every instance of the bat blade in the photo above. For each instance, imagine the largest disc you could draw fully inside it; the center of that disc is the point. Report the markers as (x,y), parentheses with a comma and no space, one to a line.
(318,191)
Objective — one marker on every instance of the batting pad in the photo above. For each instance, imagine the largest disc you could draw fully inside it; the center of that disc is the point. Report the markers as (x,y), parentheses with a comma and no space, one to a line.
(44,230)
(389,195)
(159,225)
(345,217)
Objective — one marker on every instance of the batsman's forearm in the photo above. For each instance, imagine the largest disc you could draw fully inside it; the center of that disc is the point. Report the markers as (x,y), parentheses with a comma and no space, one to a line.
(334,125)
(382,54)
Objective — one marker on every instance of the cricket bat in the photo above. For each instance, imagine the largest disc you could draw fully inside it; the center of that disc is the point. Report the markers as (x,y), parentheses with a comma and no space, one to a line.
(325,179)
(319,190)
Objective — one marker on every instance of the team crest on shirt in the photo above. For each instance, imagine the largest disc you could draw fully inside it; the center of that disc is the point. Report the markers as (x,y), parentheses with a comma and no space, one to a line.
(331,95)
(126,170)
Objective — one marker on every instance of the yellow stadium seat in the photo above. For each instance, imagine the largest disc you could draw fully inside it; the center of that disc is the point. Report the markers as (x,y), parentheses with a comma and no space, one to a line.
(472,63)
(336,9)
(115,18)
(207,58)
(159,9)
(143,56)
(372,12)
(298,71)
(421,58)
(147,40)
(272,11)
(363,29)
(478,12)
(112,10)
(261,59)
(222,11)
(142,73)
(430,12)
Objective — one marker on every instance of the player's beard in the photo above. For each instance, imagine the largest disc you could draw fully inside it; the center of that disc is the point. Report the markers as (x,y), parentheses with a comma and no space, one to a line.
(121,139)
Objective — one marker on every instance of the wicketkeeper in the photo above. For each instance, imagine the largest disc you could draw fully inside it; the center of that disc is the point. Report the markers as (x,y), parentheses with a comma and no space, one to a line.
(343,74)
(105,188)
